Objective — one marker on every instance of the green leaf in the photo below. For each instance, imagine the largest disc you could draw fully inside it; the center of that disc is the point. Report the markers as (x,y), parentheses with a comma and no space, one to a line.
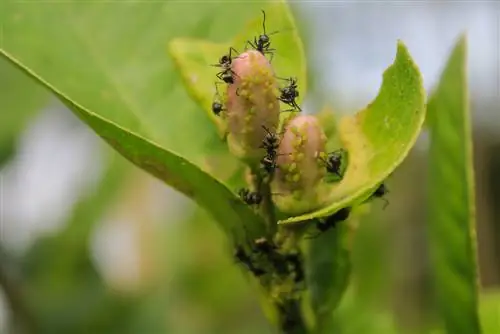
(379,137)
(193,57)
(116,77)
(451,222)
(21,98)
(329,269)
(489,308)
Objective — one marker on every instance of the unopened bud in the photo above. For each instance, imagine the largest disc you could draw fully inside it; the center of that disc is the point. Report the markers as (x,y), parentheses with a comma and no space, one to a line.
(298,177)
(252,104)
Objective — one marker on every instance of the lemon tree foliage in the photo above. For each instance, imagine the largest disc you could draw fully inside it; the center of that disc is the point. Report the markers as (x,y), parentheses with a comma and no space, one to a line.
(451,222)
(119,80)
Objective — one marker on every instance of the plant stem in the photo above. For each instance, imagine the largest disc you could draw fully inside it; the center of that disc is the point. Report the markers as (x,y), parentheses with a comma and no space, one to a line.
(290,317)
(263,188)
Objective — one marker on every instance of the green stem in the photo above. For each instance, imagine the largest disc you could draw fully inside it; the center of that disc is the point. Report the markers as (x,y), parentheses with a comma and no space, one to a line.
(290,317)
(267,206)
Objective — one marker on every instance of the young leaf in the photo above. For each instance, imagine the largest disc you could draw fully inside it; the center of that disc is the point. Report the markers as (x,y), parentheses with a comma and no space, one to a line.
(194,57)
(451,199)
(379,137)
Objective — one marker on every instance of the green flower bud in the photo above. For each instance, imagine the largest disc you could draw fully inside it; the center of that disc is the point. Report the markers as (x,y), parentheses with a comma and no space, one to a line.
(298,180)
(251,104)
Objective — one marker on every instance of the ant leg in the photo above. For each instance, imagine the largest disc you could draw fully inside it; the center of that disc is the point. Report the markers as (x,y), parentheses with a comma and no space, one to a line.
(219,75)
(251,44)
(295,105)
(231,49)
(386,203)
(272,56)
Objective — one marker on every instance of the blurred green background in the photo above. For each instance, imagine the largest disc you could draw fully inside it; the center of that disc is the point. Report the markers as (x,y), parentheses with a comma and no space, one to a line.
(91,244)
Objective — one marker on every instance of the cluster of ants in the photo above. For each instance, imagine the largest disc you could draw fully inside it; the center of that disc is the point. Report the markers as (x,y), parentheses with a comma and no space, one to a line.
(287,95)
(283,264)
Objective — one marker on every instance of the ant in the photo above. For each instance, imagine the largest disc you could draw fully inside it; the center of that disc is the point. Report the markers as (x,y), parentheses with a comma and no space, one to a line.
(270,142)
(225,62)
(331,221)
(333,161)
(268,163)
(217,106)
(268,248)
(242,257)
(380,192)
(264,246)
(250,197)
(295,261)
(289,94)
(263,43)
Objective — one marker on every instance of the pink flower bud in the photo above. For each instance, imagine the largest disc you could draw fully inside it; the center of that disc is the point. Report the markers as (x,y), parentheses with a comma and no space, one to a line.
(252,102)
(297,181)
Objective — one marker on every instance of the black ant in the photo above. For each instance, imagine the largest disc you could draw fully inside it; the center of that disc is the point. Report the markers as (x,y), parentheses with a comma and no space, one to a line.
(380,192)
(295,261)
(225,62)
(270,142)
(242,257)
(263,43)
(289,93)
(264,246)
(333,161)
(217,106)
(332,221)
(268,163)
(250,197)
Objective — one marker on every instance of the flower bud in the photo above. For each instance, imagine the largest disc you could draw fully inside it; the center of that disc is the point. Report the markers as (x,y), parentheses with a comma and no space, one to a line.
(252,102)
(297,182)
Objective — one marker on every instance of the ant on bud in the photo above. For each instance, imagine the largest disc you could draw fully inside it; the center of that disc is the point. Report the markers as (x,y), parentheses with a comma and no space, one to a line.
(333,161)
(268,163)
(225,62)
(270,142)
(250,197)
(263,43)
(289,93)
(331,221)
(217,106)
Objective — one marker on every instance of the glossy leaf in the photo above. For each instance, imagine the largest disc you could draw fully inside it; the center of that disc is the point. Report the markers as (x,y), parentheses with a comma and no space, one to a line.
(193,57)
(379,137)
(451,221)
(117,78)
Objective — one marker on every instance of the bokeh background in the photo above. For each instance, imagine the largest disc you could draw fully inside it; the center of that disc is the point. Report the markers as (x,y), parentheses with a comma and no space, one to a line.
(91,244)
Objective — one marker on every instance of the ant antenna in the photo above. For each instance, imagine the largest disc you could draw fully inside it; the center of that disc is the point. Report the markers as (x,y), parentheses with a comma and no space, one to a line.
(290,79)
(264,21)
(386,203)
